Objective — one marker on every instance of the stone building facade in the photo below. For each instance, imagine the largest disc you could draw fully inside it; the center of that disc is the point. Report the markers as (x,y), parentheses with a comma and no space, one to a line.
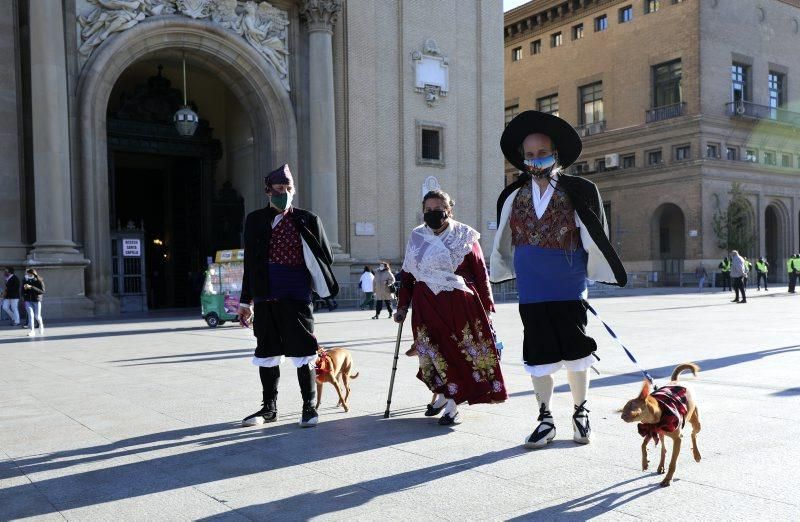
(677,101)
(368,102)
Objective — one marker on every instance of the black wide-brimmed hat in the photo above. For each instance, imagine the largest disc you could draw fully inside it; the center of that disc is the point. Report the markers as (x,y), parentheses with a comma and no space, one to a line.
(565,137)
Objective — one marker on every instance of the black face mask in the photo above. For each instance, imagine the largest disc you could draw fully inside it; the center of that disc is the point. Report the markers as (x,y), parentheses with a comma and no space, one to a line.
(435,218)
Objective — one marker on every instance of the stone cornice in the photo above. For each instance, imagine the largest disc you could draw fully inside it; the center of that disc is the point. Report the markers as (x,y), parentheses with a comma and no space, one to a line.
(320,15)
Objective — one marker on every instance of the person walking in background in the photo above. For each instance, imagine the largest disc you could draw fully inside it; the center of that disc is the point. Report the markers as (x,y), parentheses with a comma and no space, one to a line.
(725,270)
(762,267)
(791,268)
(11,301)
(32,292)
(738,271)
(383,286)
(701,274)
(366,286)
(748,266)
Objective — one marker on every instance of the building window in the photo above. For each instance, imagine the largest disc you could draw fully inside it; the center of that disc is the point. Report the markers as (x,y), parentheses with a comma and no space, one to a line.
(600,165)
(548,104)
(667,83)
(580,168)
(556,40)
(629,161)
(731,153)
(536,47)
(751,156)
(626,14)
(677,2)
(777,93)
(600,23)
(430,144)
(511,111)
(683,153)
(654,157)
(577,32)
(712,150)
(770,158)
(740,90)
(591,103)
(516,54)
(786,160)
(651,6)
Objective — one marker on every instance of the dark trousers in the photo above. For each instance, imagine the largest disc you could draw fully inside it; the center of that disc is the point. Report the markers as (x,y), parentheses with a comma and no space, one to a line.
(379,306)
(761,275)
(726,281)
(738,286)
(792,281)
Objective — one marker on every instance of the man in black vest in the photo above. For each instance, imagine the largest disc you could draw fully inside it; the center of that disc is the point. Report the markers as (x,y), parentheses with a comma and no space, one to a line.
(286,257)
(11,301)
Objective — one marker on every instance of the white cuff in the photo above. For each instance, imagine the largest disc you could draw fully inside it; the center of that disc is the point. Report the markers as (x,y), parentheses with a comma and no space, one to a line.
(244,305)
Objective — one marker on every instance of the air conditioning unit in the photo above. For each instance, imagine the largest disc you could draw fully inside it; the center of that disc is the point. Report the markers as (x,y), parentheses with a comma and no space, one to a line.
(612,161)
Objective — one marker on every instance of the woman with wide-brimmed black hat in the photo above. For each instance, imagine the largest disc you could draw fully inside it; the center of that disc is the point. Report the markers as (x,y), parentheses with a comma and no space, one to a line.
(552,236)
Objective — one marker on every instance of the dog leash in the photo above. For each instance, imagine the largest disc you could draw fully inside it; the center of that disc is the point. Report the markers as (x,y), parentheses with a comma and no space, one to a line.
(627,352)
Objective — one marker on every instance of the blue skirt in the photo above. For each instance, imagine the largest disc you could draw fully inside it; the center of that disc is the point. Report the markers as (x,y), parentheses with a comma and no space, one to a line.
(550,274)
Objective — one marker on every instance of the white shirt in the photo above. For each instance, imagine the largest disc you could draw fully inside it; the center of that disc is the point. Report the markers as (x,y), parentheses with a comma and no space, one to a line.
(541,200)
(367,280)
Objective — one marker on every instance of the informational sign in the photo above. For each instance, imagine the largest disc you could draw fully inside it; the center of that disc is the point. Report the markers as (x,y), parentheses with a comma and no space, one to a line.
(131,247)
(430,183)
(228,256)
(693,233)
(365,229)
(491,225)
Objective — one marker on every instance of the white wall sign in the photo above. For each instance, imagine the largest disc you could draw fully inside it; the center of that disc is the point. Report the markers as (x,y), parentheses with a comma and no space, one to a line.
(693,233)
(430,183)
(365,229)
(131,248)
(491,225)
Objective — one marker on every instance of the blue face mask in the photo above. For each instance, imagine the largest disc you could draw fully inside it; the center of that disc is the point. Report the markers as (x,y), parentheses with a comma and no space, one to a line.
(541,167)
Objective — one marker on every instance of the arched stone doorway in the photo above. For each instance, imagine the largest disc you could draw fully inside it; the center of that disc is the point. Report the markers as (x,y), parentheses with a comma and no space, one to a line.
(669,241)
(776,240)
(243,71)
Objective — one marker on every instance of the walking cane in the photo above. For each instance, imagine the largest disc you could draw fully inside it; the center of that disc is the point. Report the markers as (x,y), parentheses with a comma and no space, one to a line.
(394,369)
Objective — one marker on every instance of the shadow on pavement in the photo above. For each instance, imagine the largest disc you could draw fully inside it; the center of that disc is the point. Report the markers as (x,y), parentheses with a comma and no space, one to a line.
(788,392)
(664,372)
(105,333)
(208,453)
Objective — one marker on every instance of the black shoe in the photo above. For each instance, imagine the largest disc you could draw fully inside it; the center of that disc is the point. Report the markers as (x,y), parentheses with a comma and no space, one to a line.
(268,413)
(743,301)
(374,317)
(544,433)
(735,301)
(580,425)
(432,410)
(309,418)
(450,420)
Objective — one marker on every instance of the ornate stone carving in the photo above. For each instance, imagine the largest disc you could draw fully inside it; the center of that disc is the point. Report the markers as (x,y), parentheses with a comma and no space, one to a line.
(260,23)
(431,68)
(320,15)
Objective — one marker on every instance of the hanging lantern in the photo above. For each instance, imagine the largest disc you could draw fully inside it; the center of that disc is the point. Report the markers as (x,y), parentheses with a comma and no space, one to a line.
(186,120)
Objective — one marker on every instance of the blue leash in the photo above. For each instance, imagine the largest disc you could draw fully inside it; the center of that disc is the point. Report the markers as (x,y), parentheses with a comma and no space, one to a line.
(627,352)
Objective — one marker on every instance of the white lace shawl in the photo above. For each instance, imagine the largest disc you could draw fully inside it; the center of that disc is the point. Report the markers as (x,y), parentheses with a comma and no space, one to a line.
(433,259)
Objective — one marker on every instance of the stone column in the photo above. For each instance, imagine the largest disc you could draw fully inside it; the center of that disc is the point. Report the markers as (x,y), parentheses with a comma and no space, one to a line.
(51,146)
(320,15)
(54,254)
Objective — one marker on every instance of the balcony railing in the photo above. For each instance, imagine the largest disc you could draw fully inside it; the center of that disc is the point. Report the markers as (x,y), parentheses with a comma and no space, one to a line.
(745,109)
(591,128)
(665,112)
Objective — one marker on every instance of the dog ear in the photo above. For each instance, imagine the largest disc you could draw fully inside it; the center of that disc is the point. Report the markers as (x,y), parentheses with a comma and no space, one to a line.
(645,389)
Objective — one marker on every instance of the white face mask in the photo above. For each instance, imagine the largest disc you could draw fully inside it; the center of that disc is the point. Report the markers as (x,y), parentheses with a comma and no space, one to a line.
(29,278)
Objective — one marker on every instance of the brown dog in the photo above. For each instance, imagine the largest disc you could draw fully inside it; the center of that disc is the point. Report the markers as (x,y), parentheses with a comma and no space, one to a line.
(334,365)
(663,414)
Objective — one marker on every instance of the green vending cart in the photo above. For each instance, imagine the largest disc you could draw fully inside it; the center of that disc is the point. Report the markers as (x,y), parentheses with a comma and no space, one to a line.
(223,286)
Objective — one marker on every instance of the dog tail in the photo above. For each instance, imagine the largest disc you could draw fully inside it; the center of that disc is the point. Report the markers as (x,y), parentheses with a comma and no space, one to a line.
(692,367)
(355,376)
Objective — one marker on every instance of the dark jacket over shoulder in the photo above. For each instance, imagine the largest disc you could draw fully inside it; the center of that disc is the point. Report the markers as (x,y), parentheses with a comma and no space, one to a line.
(257,234)
(12,287)
(35,292)
(603,265)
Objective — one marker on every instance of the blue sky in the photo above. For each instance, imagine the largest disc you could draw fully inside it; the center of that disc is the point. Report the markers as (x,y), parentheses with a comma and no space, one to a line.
(511,4)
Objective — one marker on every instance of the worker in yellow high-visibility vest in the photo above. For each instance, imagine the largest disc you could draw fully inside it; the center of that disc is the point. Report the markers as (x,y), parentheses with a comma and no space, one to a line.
(762,267)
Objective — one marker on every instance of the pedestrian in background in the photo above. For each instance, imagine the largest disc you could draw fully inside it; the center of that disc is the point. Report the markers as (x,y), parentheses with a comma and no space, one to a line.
(793,267)
(725,269)
(366,286)
(11,301)
(738,271)
(701,274)
(383,286)
(762,267)
(32,292)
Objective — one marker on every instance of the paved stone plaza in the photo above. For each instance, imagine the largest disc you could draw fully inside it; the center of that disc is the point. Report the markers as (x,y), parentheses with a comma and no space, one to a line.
(138,419)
